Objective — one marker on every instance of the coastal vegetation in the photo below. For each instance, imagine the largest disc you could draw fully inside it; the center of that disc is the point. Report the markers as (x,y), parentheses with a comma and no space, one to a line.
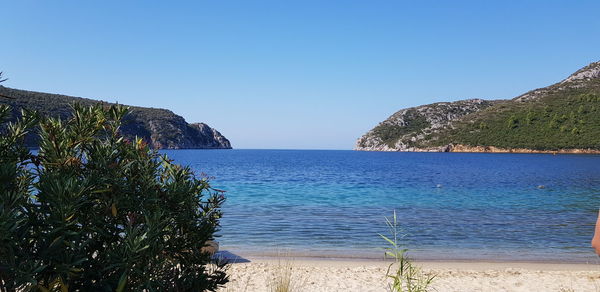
(561,116)
(94,211)
(563,119)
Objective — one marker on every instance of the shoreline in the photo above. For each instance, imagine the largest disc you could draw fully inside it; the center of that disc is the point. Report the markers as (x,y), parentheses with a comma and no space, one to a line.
(460,148)
(429,264)
(425,256)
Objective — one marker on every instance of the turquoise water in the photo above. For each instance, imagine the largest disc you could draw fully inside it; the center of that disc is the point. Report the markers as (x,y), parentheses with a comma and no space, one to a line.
(450,205)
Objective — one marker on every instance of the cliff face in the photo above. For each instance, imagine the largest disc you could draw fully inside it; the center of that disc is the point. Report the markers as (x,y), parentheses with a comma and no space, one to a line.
(561,118)
(407,128)
(160,128)
(210,137)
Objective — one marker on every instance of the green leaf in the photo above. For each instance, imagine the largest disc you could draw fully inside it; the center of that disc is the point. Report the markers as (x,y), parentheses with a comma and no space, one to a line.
(122,282)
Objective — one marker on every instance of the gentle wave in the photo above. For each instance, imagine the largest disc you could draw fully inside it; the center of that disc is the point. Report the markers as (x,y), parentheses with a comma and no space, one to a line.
(450,205)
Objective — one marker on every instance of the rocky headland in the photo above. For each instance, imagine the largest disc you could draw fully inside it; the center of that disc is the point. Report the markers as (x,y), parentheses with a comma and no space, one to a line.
(160,128)
(561,118)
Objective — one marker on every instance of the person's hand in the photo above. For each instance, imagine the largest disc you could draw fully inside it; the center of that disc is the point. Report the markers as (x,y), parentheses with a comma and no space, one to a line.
(596,238)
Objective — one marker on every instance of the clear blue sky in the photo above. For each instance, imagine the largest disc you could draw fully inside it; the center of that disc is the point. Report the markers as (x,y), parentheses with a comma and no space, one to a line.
(293,74)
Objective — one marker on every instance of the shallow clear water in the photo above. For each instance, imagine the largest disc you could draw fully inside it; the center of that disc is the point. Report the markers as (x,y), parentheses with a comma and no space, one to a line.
(450,205)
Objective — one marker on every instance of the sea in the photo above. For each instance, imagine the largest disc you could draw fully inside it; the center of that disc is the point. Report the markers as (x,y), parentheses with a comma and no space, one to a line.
(449,206)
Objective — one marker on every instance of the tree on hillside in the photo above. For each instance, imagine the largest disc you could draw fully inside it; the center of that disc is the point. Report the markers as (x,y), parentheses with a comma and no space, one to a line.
(92,211)
(2,80)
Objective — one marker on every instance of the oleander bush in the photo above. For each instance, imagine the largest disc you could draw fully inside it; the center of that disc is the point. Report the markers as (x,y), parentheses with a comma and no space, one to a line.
(92,211)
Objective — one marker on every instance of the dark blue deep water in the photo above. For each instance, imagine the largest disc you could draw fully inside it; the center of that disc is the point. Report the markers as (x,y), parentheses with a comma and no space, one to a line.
(450,205)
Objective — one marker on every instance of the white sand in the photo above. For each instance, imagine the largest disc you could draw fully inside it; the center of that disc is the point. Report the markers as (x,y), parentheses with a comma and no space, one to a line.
(341,275)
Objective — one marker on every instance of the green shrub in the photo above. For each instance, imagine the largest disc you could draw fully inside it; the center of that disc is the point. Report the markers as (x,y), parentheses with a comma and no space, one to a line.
(92,211)
(513,122)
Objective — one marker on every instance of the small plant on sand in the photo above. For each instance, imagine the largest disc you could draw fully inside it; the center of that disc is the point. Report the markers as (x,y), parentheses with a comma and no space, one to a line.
(405,275)
(283,279)
(91,211)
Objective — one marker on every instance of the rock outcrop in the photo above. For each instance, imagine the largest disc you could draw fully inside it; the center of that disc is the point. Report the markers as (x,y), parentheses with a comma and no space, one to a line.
(403,130)
(579,79)
(213,139)
(160,128)
(590,71)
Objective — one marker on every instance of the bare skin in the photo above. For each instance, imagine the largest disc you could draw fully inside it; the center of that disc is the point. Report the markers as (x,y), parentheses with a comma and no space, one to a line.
(596,238)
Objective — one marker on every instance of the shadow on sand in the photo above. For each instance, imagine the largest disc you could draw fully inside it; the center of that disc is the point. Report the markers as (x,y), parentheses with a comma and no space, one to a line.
(231,257)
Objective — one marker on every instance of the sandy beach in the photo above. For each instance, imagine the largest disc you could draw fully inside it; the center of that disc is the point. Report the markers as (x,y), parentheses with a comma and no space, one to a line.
(356,275)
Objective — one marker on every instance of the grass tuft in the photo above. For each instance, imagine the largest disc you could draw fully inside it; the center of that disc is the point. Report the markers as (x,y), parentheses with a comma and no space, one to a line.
(405,275)
(283,279)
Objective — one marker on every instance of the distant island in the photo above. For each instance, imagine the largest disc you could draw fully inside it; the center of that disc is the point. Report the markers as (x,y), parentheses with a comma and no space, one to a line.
(561,118)
(160,128)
